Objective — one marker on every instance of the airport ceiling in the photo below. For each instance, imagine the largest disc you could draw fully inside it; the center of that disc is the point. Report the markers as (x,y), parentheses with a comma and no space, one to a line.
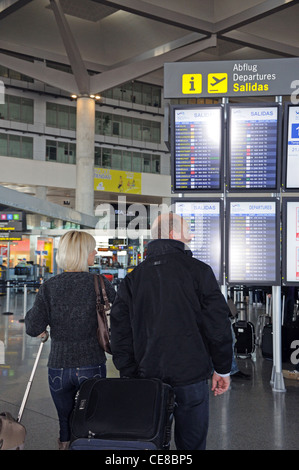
(123,40)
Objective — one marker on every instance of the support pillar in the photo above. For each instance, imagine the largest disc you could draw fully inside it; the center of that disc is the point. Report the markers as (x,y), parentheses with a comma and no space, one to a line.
(85,155)
(277,381)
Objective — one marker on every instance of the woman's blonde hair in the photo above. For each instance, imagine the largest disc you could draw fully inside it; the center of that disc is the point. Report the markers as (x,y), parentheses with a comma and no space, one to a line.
(73,250)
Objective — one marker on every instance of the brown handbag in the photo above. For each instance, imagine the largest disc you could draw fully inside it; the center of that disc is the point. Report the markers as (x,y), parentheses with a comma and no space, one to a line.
(102,313)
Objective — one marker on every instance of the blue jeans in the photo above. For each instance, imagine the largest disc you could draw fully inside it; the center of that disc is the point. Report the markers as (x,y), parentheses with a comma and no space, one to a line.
(64,384)
(191,416)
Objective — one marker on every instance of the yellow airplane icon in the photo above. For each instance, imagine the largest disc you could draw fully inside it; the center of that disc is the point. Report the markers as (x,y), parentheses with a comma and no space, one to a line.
(217,83)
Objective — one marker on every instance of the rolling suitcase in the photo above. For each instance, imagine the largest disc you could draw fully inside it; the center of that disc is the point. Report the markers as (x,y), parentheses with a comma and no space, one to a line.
(12,432)
(245,337)
(122,414)
(267,342)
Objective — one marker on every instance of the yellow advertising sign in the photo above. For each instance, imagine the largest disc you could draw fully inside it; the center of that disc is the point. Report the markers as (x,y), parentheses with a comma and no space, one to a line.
(117,181)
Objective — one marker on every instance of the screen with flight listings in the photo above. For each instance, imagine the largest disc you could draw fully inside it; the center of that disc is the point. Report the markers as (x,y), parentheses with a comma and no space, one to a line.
(205,219)
(253,147)
(292,138)
(253,242)
(197,148)
(290,225)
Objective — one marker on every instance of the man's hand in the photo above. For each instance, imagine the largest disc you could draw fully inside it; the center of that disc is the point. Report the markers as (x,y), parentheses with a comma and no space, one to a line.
(220,384)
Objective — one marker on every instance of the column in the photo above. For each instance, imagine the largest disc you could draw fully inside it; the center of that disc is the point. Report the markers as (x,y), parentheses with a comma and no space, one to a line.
(85,155)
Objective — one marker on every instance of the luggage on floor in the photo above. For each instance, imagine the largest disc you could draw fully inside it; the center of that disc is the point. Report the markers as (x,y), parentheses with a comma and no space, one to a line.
(245,337)
(12,432)
(267,342)
(122,413)
(262,321)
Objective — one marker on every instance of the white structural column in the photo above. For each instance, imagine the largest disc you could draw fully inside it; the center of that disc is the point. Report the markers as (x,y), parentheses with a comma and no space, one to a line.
(85,155)
(277,381)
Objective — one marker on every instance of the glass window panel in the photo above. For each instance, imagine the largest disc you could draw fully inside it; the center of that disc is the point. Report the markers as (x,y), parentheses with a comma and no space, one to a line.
(3,145)
(155,163)
(3,71)
(106,158)
(116,126)
(127,160)
(147,95)
(27,147)
(116,159)
(27,110)
(107,123)
(14,146)
(127,128)
(72,154)
(97,156)
(156,132)
(107,93)
(156,97)
(51,150)
(63,117)
(117,93)
(146,163)
(98,122)
(72,118)
(63,152)
(136,162)
(137,93)
(146,131)
(14,75)
(51,115)
(14,108)
(137,129)
(127,91)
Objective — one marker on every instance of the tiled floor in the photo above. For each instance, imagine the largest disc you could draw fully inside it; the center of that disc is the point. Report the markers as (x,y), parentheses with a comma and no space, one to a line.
(249,416)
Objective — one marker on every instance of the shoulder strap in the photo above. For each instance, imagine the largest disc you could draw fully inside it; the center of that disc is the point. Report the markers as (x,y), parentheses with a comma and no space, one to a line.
(96,284)
(98,277)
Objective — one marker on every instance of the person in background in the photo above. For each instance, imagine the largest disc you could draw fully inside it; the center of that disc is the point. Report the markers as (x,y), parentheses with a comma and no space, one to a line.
(170,321)
(67,304)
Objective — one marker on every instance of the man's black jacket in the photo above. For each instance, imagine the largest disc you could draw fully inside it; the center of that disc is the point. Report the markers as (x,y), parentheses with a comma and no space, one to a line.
(170,320)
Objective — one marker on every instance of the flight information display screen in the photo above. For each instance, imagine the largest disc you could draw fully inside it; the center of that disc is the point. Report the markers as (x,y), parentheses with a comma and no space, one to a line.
(290,259)
(292,150)
(253,242)
(205,219)
(197,148)
(253,143)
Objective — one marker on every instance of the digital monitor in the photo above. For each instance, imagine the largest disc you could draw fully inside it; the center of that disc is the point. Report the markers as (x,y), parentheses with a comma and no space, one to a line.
(291,148)
(290,241)
(205,218)
(197,148)
(253,240)
(254,141)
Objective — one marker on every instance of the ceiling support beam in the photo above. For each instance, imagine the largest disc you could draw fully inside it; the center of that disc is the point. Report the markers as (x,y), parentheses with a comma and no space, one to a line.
(117,76)
(39,71)
(155,12)
(250,40)
(10,6)
(263,9)
(76,62)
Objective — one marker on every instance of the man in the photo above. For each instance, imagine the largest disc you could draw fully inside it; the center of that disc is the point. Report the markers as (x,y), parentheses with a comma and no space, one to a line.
(171,321)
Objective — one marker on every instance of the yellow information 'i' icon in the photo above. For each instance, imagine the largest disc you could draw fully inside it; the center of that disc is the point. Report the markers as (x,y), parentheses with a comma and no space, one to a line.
(191,83)
(217,83)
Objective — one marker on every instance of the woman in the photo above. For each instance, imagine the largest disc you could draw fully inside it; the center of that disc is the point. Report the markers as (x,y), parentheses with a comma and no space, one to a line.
(67,304)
